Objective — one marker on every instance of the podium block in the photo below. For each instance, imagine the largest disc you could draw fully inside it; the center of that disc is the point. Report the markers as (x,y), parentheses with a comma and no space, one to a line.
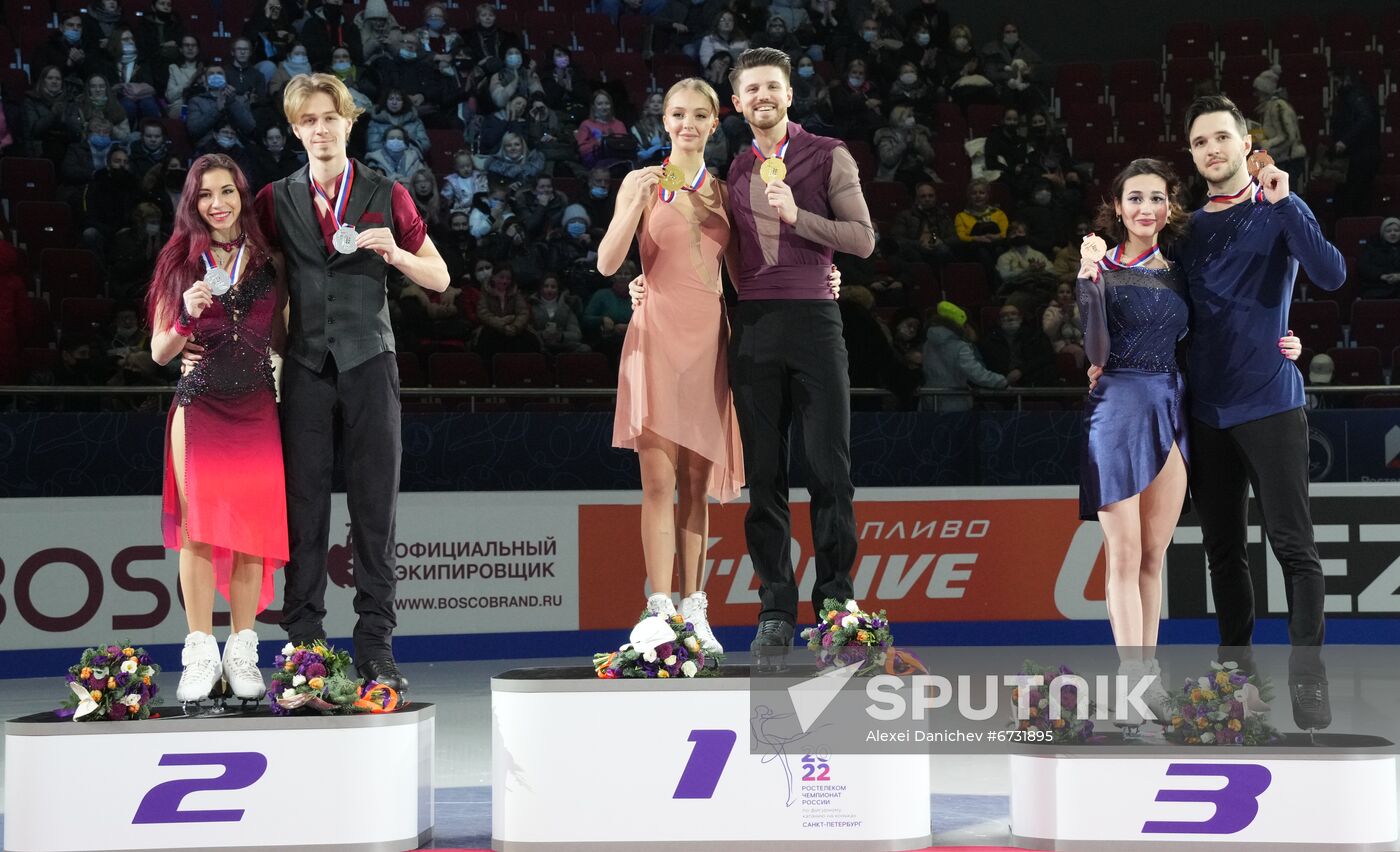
(580,763)
(1342,797)
(253,781)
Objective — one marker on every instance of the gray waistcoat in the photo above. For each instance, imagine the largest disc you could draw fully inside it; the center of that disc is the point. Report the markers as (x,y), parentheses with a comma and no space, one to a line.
(338,302)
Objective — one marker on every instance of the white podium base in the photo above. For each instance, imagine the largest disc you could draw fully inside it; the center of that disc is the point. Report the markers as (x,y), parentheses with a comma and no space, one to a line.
(1120,797)
(580,763)
(359,783)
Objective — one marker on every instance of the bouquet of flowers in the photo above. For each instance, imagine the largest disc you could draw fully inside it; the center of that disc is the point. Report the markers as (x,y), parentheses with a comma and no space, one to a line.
(659,647)
(1226,707)
(115,682)
(1075,725)
(316,676)
(846,635)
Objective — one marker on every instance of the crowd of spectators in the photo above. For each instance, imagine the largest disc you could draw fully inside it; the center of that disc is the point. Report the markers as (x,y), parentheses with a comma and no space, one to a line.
(512,143)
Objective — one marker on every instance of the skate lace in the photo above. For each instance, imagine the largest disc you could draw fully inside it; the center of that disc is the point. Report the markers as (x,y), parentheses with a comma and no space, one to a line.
(240,664)
(201,668)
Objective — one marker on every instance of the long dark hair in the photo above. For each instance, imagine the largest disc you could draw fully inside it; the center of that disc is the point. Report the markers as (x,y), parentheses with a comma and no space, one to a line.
(179,263)
(1106,221)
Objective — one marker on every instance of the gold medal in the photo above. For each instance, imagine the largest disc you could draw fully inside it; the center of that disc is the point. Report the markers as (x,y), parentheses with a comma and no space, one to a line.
(772,170)
(1093,248)
(1257,161)
(671,178)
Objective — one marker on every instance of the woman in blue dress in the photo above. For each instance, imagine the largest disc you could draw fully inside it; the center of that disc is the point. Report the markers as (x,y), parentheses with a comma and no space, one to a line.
(1133,465)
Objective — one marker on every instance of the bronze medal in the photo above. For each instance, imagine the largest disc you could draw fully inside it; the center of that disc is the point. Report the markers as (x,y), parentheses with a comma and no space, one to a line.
(1257,161)
(1093,248)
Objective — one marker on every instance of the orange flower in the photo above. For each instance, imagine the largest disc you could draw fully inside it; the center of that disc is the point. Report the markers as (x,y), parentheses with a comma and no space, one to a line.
(289,666)
(111,683)
(146,681)
(316,683)
(1235,724)
(85,673)
(96,695)
(1059,723)
(130,652)
(831,616)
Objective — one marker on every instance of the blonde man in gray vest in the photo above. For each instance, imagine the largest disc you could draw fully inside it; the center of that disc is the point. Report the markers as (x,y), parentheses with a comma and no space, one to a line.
(341,227)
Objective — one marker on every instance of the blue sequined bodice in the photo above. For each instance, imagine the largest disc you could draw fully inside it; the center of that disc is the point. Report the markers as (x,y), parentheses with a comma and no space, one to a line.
(1147,314)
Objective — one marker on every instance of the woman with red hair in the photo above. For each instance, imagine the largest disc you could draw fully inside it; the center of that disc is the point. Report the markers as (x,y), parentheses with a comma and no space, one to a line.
(217,283)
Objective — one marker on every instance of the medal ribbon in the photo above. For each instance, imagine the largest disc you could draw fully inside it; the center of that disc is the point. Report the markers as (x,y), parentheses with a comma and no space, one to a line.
(342,195)
(1114,259)
(695,182)
(1256,192)
(210,264)
(779,152)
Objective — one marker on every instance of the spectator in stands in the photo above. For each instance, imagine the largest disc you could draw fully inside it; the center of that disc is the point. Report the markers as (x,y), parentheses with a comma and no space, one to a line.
(14,313)
(150,148)
(911,89)
(825,33)
(514,164)
(932,18)
(395,111)
(614,9)
(1047,220)
(1009,153)
(1378,266)
(922,51)
(593,131)
(960,71)
(181,74)
(272,33)
(906,371)
(516,77)
(565,90)
(42,124)
(505,318)
(1356,131)
(1021,353)
(162,186)
(325,28)
(540,207)
(227,139)
(413,76)
(465,182)
(951,360)
(489,211)
(601,198)
(553,321)
(1063,325)
(903,149)
(87,156)
(724,38)
(926,228)
(878,46)
(980,225)
(422,186)
(105,201)
(1279,133)
(158,35)
(869,356)
(437,38)
(1025,273)
(778,35)
(396,159)
(855,103)
(678,26)
(486,45)
(274,160)
(432,318)
(459,249)
(78,367)
(64,50)
(296,61)
(123,334)
(608,313)
(1066,264)
(811,98)
(352,74)
(95,101)
(243,75)
(213,104)
(134,81)
(652,142)
(104,19)
(1012,67)
(374,24)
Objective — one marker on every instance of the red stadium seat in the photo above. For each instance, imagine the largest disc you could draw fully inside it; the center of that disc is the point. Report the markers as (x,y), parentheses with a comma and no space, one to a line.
(1141,123)
(38,333)
(1303,71)
(1183,75)
(1079,82)
(83,317)
(886,199)
(948,121)
(585,370)
(1390,150)
(1237,75)
(36,360)
(634,29)
(1360,366)
(457,370)
(1353,232)
(1189,39)
(410,370)
(27,179)
(443,146)
(521,370)
(1385,198)
(1388,34)
(1319,324)
(1135,79)
(1376,322)
(1348,31)
(1296,34)
(965,285)
(1244,37)
(982,118)
(1367,63)
(66,273)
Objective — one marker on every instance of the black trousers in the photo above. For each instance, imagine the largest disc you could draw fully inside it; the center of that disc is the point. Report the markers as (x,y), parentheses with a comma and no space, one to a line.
(366,399)
(788,358)
(1270,454)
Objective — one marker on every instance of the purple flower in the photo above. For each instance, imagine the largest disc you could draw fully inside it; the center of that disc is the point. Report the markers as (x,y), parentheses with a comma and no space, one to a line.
(117,711)
(664,650)
(100,660)
(1239,678)
(1035,697)
(1069,697)
(826,641)
(113,650)
(1188,712)
(279,661)
(315,670)
(1236,709)
(144,660)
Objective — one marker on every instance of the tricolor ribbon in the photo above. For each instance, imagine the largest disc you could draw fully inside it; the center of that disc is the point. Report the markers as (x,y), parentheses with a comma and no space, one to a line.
(780,152)
(210,263)
(693,185)
(1253,188)
(1114,259)
(342,195)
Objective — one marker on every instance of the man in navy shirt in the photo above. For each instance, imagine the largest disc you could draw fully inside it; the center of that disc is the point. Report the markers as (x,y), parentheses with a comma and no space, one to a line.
(1248,423)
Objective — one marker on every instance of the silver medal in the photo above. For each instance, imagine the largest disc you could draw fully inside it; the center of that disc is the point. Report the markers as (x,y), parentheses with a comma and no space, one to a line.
(219,281)
(344,239)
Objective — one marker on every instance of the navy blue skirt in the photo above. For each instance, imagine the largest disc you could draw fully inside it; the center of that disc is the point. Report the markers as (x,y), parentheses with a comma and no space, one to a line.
(1131,420)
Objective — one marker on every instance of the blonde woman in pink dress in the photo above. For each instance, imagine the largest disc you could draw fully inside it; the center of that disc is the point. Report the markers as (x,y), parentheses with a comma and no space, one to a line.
(673,401)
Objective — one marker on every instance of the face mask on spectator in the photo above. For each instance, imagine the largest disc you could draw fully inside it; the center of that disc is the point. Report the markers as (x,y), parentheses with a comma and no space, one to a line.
(494,203)
(855,82)
(484,274)
(298,63)
(805,71)
(436,24)
(342,67)
(961,44)
(1042,197)
(481,228)
(128,51)
(576,228)
(598,191)
(152,229)
(921,39)
(561,62)
(1010,325)
(512,60)
(100,140)
(447,70)
(408,53)
(1011,39)
(908,121)
(226,140)
(395,146)
(216,82)
(869,35)
(909,78)
(73,36)
(98,99)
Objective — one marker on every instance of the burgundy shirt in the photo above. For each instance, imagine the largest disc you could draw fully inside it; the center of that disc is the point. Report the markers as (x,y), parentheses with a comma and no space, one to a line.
(781,261)
(409,230)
